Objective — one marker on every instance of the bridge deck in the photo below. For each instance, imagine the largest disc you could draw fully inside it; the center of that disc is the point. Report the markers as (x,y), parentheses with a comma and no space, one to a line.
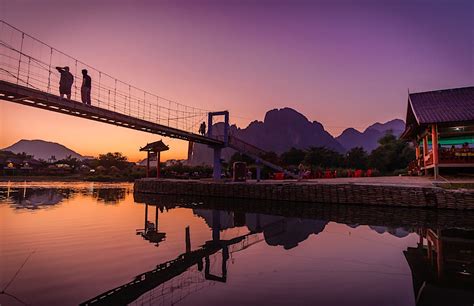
(129,292)
(35,98)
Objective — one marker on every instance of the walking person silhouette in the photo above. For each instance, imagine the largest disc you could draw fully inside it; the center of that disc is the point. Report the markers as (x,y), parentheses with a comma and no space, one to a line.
(86,87)
(202,128)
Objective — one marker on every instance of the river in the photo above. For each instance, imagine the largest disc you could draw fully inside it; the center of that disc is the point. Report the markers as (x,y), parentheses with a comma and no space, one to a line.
(68,243)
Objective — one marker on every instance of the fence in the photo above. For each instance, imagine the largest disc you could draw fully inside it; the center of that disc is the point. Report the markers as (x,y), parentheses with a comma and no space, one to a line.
(29,62)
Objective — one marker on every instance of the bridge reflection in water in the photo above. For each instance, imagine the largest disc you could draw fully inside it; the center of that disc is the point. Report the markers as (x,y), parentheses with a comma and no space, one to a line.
(442,264)
(146,286)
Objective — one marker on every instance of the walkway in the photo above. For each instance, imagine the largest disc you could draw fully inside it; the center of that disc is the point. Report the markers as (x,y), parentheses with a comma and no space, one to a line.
(28,76)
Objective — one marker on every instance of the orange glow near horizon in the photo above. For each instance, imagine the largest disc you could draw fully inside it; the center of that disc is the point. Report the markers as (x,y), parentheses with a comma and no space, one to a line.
(86,137)
(341,65)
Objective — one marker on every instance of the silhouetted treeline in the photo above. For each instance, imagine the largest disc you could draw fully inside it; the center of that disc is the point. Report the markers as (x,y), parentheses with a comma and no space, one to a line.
(112,166)
(390,157)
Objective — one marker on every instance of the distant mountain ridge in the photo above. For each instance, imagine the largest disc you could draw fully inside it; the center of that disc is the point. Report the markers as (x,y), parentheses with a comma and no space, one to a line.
(394,125)
(42,149)
(368,139)
(285,128)
(280,130)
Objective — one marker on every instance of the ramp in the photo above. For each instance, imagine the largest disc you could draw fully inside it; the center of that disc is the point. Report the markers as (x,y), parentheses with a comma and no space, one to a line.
(255,153)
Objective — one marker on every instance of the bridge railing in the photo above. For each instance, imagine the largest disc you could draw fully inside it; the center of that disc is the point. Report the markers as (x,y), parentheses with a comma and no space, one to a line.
(29,62)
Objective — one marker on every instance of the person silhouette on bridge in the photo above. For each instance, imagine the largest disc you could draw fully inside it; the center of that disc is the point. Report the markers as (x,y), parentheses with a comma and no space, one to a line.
(86,87)
(65,82)
(202,128)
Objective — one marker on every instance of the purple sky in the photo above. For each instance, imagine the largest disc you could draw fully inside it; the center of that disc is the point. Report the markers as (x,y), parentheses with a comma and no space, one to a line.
(338,62)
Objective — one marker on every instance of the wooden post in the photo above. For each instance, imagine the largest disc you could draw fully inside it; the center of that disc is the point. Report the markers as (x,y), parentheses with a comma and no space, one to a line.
(417,152)
(158,164)
(147,163)
(259,172)
(188,240)
(216,226)
(434,145)
(440,256)
(425,152)
(430,251)
(425,145)
(146,218)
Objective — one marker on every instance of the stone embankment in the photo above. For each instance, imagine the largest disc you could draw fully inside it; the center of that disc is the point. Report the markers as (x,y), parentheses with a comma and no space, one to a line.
(422,196)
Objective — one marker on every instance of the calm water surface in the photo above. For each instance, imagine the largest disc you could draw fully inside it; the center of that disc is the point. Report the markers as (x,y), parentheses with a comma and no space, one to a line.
(73,243)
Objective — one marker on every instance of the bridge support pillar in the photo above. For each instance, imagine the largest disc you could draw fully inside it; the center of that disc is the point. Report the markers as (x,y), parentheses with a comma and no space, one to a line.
(210,124)
(217,164)
(216,226)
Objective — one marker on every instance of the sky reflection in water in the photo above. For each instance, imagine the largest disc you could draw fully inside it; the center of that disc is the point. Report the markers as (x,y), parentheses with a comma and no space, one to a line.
(80,241)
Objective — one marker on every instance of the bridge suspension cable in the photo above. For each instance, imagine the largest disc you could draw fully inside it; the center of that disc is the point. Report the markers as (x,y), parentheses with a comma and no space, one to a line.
(28,61)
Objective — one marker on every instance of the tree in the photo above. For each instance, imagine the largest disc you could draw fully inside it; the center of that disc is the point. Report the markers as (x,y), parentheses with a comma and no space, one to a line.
(271,157)
(71,161)
(116,159)
(323,157)
(24,156)
(357,158)
(293,157)
(391,154)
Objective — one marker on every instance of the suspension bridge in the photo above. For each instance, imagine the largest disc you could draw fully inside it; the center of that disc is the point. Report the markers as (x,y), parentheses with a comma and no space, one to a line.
(164,272)
(28,76)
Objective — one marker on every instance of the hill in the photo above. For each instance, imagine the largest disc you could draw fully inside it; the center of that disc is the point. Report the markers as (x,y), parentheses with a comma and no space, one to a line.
(280,130)
(42,149)
(368,139)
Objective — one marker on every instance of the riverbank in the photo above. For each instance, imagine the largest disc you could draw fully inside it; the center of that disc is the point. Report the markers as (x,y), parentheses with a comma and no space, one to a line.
(418,192)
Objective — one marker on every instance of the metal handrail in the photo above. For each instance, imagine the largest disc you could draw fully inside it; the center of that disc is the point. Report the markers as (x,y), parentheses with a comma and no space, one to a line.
(30,62)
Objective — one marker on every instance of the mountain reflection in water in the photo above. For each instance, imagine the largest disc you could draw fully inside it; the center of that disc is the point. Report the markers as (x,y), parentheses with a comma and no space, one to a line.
(287,232)
(34,198)
(207,251)
(37,198)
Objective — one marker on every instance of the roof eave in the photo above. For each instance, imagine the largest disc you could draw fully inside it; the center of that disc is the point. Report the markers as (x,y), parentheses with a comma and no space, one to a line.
(413,110)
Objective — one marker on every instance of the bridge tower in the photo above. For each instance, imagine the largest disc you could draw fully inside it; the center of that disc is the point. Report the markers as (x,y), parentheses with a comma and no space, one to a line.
(217,169)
